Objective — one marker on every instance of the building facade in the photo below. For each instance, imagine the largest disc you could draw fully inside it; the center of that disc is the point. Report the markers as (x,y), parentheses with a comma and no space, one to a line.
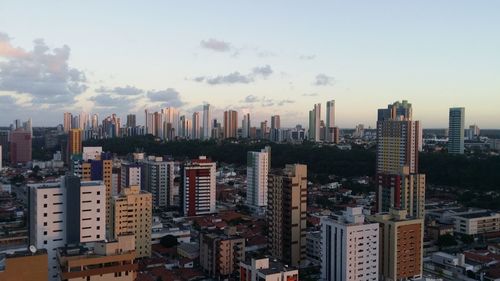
(159,180)
(257,178)
(132,213)
(351,247)
(220,255)
(20,147)
(286,214)
(401,245)
(264,269)
(456,130)
(198,187)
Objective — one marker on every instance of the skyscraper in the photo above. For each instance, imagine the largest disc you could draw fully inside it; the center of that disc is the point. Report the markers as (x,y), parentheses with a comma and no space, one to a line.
(131,121)
(350,247)
(171,123)
(20,146)
(132,213)
(245,126)
(286,214)
(330,121)
(196,134)
(230,124)
(263,129)
(257,178)
(399,185)
(198,187)
(456,130)
(275,128)
(314,123)
(401,245)
(207,119)
(68,120)
(74,143)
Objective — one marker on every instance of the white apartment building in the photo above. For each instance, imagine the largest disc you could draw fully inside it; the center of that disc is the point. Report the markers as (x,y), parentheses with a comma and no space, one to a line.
(64,212)
(159,180)
(198,187)
(350,247)
(91,153)
(130,175)
(477,223)
(257,178)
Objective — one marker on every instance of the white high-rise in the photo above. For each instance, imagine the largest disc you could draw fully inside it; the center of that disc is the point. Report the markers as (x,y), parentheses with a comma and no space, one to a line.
(329,120)
(257,178)
(207,122)
(350,247)
(314,123)
(196,126)
(66,212)
(245,126)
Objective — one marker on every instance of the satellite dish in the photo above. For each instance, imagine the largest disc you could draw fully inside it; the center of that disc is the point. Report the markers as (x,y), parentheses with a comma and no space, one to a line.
(32,249)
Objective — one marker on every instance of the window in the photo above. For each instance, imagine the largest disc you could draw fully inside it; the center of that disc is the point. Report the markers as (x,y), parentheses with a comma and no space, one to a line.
(45,205)
(45,233)
(45,214)
(45,196)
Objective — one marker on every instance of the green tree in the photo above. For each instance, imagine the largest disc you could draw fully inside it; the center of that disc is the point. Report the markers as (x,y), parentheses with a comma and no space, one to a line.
(169,241)
(467,239)
(446,240)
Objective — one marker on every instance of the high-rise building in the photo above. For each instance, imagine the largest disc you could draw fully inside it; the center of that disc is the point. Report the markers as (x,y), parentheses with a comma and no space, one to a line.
(171,123)
(230,124)
(207,119)
(185,127)
(314,123)
(456,130)
(350,247)
(286,214)
(264,130)
(95,121)
(330,114)
(130,174)
(149,122)
(196,134)
(220,254)
(159,180)
(132,213)
(4,142)
(84,119)
(103,260)
(198,187)
(399,185)
(74,142)
(265,269)
(131,120)
(258,165)
(65,212)
(401,245)
(245,126)
(68,120)
(20,146)
(275,128)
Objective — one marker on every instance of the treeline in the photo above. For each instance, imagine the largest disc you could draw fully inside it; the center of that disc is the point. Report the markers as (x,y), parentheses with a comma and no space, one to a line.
(442,169)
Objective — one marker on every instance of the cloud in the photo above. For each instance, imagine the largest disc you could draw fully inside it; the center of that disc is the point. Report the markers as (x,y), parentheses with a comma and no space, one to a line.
(283,102)
(307,57)
(310,95)
(251,99)
(265,102)
(323,80)
(122,91)
(236,77)
(216,45)
(264,71)
(170,97)
(42,73)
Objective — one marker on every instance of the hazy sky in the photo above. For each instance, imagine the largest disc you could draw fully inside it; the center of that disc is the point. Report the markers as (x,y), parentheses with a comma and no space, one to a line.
(262,57)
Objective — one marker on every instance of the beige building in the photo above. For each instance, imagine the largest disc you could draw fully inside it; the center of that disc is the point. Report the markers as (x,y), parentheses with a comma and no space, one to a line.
(13,267)
(132,213)
(112,260)
(286,214)
(221,254)
(401,247)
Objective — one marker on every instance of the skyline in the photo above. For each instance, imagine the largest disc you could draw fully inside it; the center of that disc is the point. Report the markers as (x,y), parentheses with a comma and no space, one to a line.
(251,59)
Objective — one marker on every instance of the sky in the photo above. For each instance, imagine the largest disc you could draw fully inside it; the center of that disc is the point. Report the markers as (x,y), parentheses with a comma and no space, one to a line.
(258,57)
